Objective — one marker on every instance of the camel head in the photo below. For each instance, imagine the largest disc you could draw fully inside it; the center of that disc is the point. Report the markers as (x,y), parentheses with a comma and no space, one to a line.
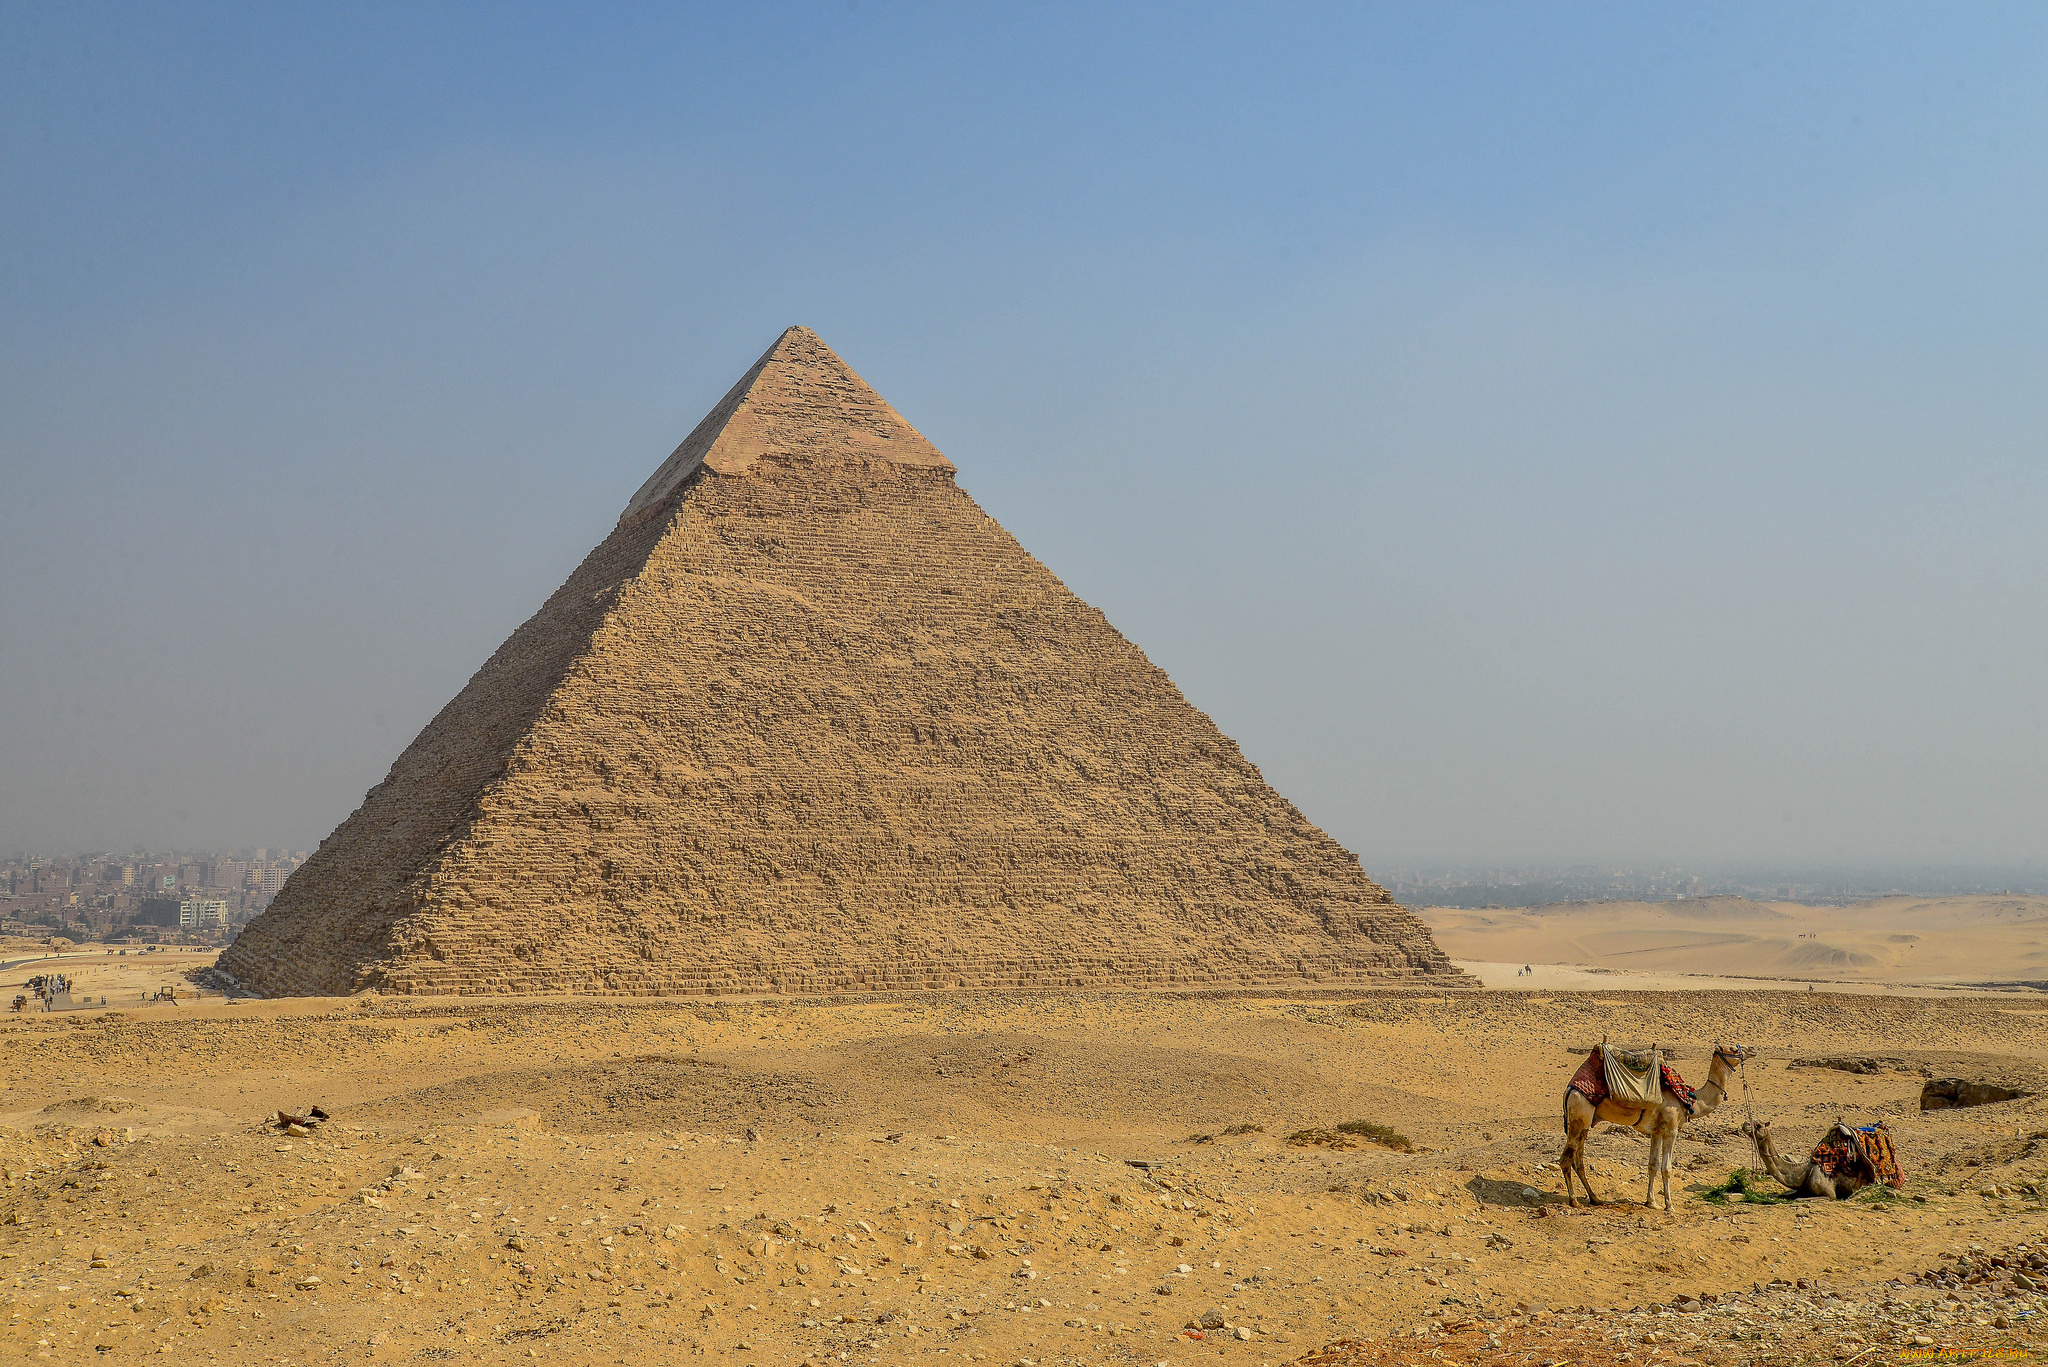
(1757,1129)
(1733,1053)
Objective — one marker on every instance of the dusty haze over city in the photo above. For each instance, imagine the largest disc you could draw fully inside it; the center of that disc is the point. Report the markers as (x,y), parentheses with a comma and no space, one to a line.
(1535,437)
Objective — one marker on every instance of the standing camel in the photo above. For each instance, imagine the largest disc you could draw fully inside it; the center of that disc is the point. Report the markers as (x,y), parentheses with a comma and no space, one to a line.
(1808,1178)
(1660,1122)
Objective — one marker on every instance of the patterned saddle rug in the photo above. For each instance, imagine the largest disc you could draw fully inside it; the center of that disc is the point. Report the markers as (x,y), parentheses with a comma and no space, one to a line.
(1686,1096)
(1884,1159)
(1866,1149)
(1590,1081)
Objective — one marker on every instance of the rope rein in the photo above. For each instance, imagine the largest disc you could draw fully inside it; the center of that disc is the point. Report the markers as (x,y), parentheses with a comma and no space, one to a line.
(1756,1142)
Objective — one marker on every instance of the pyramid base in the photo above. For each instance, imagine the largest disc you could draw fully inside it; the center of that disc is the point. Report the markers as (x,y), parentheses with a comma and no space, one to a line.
(1036,974)
(454,986)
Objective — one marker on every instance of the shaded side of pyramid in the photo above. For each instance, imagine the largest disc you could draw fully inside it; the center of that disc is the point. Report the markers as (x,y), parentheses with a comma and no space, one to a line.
(809,720)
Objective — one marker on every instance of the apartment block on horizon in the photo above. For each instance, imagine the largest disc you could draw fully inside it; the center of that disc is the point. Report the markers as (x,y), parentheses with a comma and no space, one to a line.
(199,913)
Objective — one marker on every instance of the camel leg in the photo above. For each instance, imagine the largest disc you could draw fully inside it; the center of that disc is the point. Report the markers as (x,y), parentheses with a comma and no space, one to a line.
(1574,1141)
(1579,1160)
(1579,1117)
(1650,1190)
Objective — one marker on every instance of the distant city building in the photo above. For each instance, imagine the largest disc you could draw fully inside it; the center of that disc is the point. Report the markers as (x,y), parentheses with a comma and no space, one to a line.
(159,911)
(196,913)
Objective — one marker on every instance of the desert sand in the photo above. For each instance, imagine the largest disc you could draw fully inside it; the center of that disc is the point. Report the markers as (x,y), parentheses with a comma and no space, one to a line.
(123,979)
(1893,941)
(954,1177)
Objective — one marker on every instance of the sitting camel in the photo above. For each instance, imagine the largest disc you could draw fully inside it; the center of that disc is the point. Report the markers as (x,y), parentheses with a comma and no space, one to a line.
(1660,1122)
(1809,1178)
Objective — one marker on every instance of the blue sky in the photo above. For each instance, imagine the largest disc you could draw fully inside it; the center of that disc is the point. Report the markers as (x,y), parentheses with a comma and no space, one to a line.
(1537,433)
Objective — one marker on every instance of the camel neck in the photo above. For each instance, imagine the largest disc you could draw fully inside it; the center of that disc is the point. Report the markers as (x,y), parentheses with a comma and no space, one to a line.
(1714,1090)
(1785,1173)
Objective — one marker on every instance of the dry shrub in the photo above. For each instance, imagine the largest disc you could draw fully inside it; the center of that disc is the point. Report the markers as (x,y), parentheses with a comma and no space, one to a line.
(1377,1133)
(1350,1132)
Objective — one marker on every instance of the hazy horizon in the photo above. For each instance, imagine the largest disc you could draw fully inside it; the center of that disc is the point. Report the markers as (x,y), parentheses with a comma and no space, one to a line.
(1544,436)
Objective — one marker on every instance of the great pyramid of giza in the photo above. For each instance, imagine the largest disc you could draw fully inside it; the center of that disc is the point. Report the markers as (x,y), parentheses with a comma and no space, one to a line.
(808,720)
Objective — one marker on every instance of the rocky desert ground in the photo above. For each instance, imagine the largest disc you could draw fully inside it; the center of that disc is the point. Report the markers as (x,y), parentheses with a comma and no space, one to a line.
(993,1177)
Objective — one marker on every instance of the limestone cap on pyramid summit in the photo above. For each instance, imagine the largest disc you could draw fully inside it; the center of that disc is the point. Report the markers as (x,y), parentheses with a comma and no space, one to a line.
(798,401)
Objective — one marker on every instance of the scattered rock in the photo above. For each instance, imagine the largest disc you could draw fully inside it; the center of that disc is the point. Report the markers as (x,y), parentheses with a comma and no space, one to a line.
(1861,1064)
(1947,1093)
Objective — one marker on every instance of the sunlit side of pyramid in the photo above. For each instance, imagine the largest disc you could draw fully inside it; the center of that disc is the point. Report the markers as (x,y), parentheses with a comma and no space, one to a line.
(809,720)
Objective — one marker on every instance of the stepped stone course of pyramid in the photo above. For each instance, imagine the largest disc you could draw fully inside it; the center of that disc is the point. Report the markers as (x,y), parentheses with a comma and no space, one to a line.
(809,720)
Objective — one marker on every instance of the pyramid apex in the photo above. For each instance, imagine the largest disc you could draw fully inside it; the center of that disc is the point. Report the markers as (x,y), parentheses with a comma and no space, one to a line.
(799,401)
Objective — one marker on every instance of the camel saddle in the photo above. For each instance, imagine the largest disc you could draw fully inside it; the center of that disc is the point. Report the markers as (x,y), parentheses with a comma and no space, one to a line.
(1868,1148)
(1625,1075)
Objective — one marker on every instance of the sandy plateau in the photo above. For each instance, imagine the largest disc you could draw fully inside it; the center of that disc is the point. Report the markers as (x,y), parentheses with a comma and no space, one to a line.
(956,1177)
(1926,943)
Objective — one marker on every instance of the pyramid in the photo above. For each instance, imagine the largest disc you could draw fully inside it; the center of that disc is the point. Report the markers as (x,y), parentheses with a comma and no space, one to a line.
(809,720)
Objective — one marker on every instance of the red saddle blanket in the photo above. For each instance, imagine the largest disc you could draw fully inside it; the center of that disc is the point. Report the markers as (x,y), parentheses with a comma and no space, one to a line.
(1591,1079)
(1591,1082)
(1675,1085)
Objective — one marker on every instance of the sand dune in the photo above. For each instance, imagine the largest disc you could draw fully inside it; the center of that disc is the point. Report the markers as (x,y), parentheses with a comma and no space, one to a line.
(1945,940)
